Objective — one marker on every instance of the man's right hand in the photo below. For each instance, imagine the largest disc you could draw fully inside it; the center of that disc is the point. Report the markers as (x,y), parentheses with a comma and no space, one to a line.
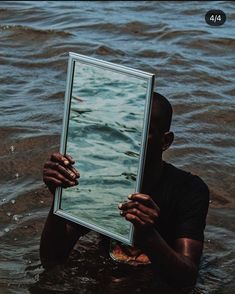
(59,172)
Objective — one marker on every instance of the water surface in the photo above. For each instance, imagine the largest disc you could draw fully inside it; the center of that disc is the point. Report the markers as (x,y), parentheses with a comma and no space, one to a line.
(194,67)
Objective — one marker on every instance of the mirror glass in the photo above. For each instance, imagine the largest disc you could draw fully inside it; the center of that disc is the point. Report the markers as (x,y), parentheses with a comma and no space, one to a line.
(105,131)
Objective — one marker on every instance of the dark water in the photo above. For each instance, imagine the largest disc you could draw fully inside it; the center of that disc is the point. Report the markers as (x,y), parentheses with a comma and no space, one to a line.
(194,67)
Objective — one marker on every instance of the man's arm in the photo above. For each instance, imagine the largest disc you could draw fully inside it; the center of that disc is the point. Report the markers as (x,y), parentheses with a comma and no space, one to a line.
(59,235)
(179,265)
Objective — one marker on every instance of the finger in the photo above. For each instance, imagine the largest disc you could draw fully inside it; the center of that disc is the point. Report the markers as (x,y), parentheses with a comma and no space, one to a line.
(71,160)
(55,183)
(55,174)
(135,220)
(73,169)
(52,181)
(152,212)
(132,204)
(142,216)
(58,157)
(144,199)
(67,172)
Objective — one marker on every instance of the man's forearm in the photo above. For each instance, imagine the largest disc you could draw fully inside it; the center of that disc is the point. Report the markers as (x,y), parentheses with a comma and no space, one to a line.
(177,268)
(58,238)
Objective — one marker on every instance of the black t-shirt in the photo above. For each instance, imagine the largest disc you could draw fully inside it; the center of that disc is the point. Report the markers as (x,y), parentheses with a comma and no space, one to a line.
(183,199)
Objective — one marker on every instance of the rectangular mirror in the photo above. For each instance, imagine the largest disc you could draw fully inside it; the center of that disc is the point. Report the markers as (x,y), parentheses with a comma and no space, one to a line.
(105,129)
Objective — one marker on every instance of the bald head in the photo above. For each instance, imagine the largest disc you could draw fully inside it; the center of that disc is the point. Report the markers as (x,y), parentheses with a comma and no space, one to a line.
(160,137)
(161,113)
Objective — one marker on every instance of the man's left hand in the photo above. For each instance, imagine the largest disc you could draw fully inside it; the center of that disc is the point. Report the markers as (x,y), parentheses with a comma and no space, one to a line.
(141,211)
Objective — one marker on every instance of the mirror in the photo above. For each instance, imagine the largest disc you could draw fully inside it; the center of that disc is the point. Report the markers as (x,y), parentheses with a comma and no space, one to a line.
(105,127)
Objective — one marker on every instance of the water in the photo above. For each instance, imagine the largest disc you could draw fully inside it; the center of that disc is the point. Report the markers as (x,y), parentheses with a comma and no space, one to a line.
(194,67)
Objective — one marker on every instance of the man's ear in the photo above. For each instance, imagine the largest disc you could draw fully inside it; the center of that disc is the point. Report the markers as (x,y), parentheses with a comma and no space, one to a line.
(168,139)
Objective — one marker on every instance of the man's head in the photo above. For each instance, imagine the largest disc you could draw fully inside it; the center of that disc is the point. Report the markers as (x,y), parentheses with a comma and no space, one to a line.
(161,113)
(160,137)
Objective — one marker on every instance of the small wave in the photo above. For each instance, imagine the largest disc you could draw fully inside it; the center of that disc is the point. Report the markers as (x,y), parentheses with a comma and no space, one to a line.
(205,44)
(138,28)
(135,27)
(172,34)
(52,63)
(178,59)
(100,26)
(152,54)
(192,11)
(206,94)
(220,116)
(207,78)
(227,43)
(106,132)
(105,50)
(57,95)
(144,30)
(230,92)
(29,31)
(220,199)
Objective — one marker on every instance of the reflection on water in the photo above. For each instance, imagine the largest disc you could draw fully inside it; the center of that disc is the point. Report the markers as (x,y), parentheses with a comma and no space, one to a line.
(194,67)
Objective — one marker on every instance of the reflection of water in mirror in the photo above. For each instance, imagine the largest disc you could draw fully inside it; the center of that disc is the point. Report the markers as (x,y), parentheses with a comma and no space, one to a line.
(104,136)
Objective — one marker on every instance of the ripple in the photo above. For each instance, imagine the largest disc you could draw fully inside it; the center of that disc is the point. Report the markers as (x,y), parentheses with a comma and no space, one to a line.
(30,32)
(105,50)
(205,44)
(175,34)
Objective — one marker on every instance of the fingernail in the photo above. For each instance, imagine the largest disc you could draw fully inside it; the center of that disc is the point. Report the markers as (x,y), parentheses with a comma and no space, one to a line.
(120,205)
(66,162)
(72,175)
(129,196)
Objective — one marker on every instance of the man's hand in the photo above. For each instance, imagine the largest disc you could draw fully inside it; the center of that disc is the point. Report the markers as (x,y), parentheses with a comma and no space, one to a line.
(59,235)
(142,212)
(59,172)
(178,264)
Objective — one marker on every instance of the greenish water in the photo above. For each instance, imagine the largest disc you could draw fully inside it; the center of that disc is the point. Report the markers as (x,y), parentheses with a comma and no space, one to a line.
(105,144)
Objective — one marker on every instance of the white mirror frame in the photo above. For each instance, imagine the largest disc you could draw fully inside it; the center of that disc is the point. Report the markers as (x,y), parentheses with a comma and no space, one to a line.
(73,57)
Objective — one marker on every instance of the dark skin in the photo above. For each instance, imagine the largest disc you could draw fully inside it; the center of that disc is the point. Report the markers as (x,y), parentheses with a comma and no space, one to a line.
(178,264)
(59,172)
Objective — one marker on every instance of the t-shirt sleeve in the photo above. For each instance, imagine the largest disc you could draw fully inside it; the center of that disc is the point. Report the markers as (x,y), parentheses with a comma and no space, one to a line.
(191,210)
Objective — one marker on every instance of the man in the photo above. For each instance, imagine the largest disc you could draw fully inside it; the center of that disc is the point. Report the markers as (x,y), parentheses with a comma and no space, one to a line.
(168,215)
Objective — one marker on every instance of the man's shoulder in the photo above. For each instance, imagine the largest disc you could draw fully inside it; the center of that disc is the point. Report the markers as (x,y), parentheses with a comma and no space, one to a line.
(183,204)
(185,180)
(172,172)
(180,175)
